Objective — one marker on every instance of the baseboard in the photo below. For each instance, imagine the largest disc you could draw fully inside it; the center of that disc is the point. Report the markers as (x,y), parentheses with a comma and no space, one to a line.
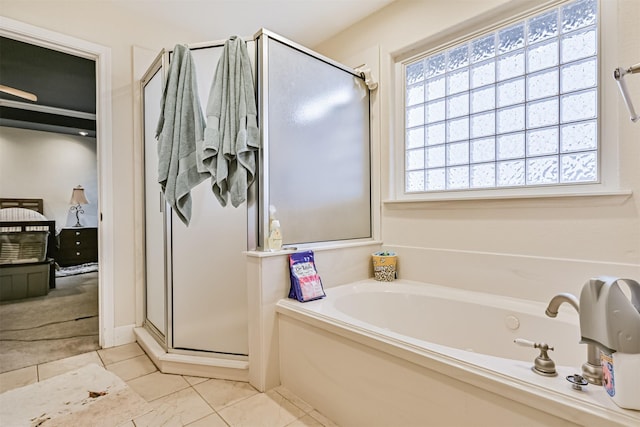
(123,335)
(186,364)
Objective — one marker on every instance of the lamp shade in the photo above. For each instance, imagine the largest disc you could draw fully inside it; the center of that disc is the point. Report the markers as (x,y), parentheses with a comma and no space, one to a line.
(78,197)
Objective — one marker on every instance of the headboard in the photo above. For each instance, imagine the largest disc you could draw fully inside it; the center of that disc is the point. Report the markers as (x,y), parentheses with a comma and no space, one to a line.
(33,204)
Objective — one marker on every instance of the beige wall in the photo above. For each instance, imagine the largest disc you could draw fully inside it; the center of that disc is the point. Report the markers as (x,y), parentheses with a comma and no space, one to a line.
(513,244)
(47,166)
(44,165)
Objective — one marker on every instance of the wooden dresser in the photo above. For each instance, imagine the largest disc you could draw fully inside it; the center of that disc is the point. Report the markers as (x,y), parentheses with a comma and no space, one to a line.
(78,245)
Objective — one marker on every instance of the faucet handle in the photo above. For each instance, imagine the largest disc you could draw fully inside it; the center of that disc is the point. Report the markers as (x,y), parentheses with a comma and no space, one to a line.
(542,364)
(524,343)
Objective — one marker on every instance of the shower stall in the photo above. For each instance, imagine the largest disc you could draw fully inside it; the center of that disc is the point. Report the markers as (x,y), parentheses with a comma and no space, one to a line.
(314,167)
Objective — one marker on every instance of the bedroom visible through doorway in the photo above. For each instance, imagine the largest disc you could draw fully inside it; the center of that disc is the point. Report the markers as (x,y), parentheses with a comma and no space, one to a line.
(96,286)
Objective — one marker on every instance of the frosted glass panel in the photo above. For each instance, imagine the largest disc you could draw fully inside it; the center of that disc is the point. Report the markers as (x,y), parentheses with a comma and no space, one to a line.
(483,175)
(436,156)
(483,48)
(415,116)
(415,137)
(580,167)
(435,134)
(579,75)
(457,106)
(415,181)
(511,92)
(578,106)
(458,177)
(543,27)
(579,45)
(542,170)
(483,74)
(511,65)
(318,148)
(483,99)
(458,154)
(579,136)
(435,65)
(435,88)
(458,58)
(511,173)
(542,56)
(415,159)
(510,146)
(415,72)
(511,38)
(578,15)
(415,94)
(436,179)
(155,285)
(435,111)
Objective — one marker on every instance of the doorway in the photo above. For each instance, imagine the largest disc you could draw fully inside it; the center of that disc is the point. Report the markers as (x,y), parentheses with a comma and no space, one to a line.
(105,213)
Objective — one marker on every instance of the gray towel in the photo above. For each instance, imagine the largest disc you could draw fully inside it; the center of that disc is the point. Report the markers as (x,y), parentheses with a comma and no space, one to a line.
(231,137)
(180,132)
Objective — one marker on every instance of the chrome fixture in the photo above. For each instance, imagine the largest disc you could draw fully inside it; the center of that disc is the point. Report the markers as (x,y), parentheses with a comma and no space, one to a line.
(542,364)
(577,381)
(591,369)
(618,75)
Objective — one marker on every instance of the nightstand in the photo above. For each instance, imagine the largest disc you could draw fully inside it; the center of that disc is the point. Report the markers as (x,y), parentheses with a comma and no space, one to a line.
(78,245)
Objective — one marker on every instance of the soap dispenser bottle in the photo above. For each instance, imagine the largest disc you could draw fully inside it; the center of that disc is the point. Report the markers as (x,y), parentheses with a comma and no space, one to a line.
(275,234)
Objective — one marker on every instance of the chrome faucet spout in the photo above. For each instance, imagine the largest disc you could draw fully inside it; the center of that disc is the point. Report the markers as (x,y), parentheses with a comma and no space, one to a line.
(556,302)
(591,369)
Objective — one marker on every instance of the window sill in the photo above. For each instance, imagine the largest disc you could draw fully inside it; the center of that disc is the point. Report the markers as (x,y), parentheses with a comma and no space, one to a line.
(595,198)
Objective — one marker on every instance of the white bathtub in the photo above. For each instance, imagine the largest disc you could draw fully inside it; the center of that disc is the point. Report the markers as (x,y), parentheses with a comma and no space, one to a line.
(414,354)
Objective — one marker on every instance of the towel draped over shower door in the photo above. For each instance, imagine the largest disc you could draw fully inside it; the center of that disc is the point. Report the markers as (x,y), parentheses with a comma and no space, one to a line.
(180,132)
(231,136)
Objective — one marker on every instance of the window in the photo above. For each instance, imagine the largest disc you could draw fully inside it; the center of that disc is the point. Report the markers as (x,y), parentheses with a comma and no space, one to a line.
(516,107)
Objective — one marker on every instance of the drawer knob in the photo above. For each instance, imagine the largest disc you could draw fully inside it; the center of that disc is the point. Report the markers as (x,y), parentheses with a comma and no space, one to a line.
(77,243)
(77,233)
(77,253)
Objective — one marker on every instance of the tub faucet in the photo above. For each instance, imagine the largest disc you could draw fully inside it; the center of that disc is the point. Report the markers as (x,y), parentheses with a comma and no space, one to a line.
(591,369)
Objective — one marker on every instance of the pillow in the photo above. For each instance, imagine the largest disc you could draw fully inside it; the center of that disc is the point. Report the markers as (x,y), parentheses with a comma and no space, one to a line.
(20,214)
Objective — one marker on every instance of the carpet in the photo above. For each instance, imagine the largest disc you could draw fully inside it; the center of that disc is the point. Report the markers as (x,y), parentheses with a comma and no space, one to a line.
(51,327)
(77,269)
(89,396)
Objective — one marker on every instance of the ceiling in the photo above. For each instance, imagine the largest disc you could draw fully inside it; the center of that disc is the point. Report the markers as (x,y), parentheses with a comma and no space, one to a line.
(65,84)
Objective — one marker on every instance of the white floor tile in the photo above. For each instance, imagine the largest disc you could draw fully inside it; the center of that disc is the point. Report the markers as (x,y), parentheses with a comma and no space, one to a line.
(180,409)
(212,420)
(120,353)
(18,378)
(57,367)
(194,380)
(132,368)
(268,409)
(306,421)
(157,385)
(222,393)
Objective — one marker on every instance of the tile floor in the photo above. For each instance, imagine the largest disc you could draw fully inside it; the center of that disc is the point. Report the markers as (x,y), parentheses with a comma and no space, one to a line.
(178,400)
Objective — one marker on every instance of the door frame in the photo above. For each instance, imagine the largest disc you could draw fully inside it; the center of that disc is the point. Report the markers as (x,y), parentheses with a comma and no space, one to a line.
(28,33)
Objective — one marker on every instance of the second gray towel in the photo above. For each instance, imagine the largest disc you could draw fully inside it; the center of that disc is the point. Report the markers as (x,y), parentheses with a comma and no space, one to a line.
(231,136)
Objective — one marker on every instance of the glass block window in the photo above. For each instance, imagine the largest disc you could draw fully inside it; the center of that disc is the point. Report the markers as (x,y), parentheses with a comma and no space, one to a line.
(515,107)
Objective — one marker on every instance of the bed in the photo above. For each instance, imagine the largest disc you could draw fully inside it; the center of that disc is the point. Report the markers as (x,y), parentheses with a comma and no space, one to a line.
(28,247)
